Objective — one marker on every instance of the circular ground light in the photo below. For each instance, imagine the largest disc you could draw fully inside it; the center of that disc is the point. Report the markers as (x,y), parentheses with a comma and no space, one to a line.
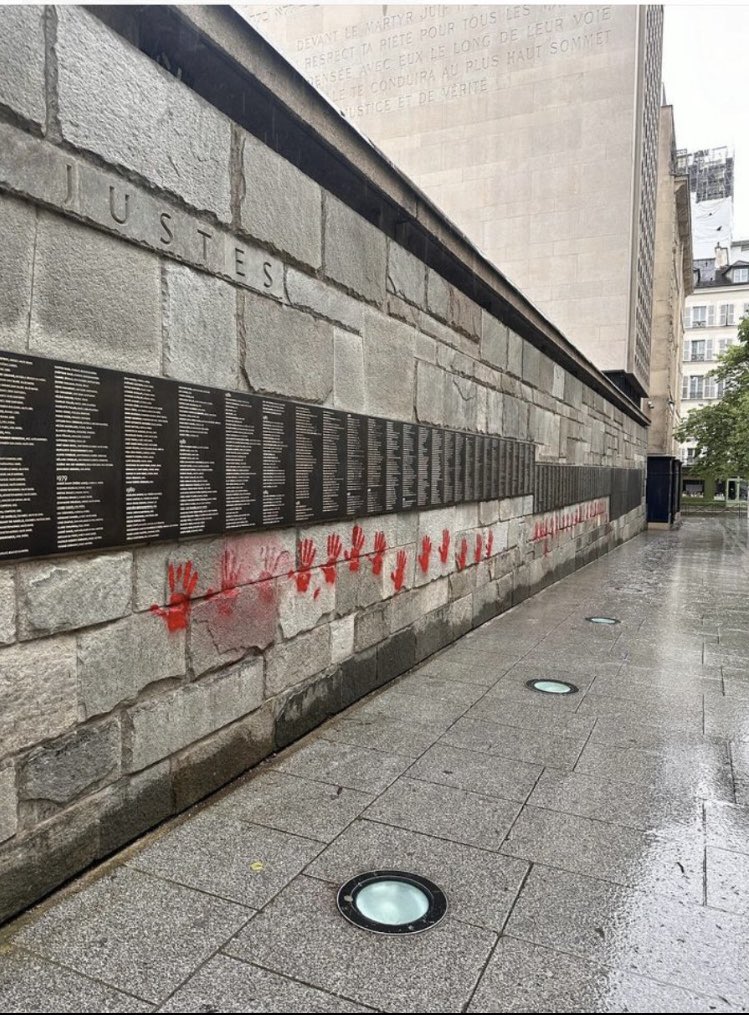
(392,902)
(602,620)
(552,686)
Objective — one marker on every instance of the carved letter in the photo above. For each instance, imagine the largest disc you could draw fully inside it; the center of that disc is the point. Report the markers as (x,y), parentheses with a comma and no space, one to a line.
(206,238)
(115,216)
(268,277)
(239,261)
(165,218)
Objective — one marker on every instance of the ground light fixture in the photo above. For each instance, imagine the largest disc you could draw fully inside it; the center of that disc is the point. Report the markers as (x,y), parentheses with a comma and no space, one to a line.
(552,686)
(392,902)
(602,620)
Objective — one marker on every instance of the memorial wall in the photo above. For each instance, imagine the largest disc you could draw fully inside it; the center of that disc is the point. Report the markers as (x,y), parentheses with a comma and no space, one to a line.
(257,457)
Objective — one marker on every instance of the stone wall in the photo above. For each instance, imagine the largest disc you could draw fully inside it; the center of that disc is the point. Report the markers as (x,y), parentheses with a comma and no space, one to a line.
(143,230)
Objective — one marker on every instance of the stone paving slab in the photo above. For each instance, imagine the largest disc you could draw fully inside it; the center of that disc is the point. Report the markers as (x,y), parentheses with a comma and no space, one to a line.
(593,848)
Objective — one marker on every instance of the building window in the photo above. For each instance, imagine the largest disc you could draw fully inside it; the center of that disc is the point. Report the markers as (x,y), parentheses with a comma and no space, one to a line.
(693,487)
(696,386)
(726,314)
(741,274)
(698,349)
(699,317)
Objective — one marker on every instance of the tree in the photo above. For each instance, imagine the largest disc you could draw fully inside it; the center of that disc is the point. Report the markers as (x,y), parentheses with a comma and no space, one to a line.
(721,430)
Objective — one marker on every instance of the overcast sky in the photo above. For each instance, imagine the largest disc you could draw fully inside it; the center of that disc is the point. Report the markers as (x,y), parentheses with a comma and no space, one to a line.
(706,74)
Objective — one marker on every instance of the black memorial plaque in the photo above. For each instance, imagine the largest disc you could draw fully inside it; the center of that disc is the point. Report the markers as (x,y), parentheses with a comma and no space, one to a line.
(437,452)
(201,460)
(278,478)
(393,465)
(424,462)
(460,468)
(448,482)
(495,448)
(409,487)
(470,468)
(478,467)
(88,457)
(243,439)
(487,490)
(333,464)
(151,458)
(356,465)
(376,452)
(28,524)
(307,460)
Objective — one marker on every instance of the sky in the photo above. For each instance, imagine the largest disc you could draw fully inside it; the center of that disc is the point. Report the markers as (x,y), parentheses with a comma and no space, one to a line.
(706,76)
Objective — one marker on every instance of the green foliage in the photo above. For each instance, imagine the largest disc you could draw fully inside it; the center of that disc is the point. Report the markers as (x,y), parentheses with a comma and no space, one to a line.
(721,430)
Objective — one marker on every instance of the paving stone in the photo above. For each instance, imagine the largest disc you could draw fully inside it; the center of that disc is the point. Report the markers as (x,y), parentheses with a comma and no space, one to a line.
(539,747)
(535,714)
(18,228)
(727,880)
(480,886)
(344,765)
(445,812)
(355,251)
(134,932)
(31,984)
(287,352)
(612,852)
(117,661)
(476,773)
(199,312)
(32,709)
(302,934)
(224,856)
(280,205)
(66,594)
(727,717)
(522,977)
(383,734)
(727,825)
(116,102)
(671,941)
(440,688)
(296,805)
(688,717)
(412,708)
(226,984)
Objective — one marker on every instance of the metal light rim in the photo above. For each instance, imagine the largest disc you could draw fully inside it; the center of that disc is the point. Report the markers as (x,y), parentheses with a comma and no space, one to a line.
(571,688)
(347,893)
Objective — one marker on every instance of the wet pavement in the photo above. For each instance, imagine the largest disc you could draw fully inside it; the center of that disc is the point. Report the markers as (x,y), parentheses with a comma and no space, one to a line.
(594,847)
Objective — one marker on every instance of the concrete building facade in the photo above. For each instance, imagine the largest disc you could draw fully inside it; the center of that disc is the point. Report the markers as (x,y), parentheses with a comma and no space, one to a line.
(535,129)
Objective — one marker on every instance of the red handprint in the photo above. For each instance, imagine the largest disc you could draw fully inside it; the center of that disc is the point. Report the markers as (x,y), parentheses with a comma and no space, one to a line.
(489,543)
(329,569)
(178,610)
(231,572)
(445,547)
(462,557)
(478,552)
(357,544)
(303,575)
(426,553)
(380,545)
(398,576)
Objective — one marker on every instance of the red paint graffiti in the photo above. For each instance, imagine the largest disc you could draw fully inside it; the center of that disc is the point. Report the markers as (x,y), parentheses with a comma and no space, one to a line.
(335,549)
(273,561)
(303,575)
(462,557)
(479,550)
(380,546)
(182,585)
(231,576)
(489,543)
(398,576)
(426,553)
(445,545)
(353,555)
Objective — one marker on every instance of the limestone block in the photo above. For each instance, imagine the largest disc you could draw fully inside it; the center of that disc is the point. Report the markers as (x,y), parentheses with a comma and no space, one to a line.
(514,353)
(280,205)
(557,387)
(465,404)
(61,771)
(152,570)
(38,692)
(408,607)
(372,626)
(18,232)
(406,275)
(426,348)
(225,626)
(96,299)
(514,417)
(7,606)
(342,638)
(452,306)
(431,384)
(309,293)
(66,594)
(163,725)
(200,328)
(438,295)
(389,367)
(408,312)
(355,251)
(116,102)
(494,341)
(290,662)
(303,610)
(435,541)
(117,661)
(349,390)
(494,411)
(8,806)
(513,507)
(573,390)
(531,365)
(22,62)
(287,352)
